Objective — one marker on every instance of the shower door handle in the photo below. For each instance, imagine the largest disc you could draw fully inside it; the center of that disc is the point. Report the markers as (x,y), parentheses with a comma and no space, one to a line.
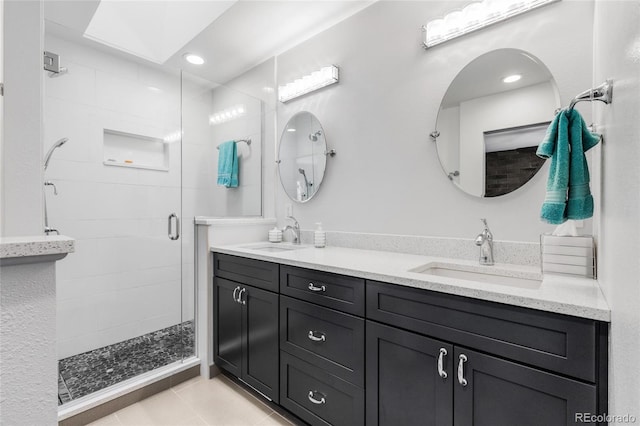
(173,236)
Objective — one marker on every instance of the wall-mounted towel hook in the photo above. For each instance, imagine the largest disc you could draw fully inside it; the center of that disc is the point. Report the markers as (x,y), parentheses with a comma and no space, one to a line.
(602,93)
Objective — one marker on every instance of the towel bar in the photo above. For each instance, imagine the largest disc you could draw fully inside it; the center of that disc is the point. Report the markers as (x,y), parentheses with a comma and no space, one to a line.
(602,93)
(247,141)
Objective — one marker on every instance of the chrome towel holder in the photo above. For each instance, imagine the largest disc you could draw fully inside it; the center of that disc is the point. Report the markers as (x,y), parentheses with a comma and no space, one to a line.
(247,141)
(602,93)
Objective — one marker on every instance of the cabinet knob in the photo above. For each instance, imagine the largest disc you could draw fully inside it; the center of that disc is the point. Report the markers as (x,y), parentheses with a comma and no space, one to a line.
(312,397)
(314,287)
(461,360)
(441,372)
(316,336)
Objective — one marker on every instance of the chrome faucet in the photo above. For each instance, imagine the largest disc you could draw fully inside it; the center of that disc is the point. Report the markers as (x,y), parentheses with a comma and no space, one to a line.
(295,229)
(485,241)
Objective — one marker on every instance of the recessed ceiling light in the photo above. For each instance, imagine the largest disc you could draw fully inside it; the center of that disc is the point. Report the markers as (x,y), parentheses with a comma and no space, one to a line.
(193,59)
(290,129)
(512,78)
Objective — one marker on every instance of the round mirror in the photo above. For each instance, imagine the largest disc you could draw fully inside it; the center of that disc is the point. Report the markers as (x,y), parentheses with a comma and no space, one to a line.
(491,120)
(302,157)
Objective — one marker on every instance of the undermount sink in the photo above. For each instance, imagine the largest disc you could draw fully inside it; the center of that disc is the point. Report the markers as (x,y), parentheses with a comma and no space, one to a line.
(275,247)
(484,274)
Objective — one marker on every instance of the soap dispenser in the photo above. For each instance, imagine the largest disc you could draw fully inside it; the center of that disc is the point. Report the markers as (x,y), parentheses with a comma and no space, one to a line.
(319,236)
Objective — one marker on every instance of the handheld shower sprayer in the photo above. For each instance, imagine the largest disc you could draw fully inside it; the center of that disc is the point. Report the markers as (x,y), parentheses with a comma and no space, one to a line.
(49,153)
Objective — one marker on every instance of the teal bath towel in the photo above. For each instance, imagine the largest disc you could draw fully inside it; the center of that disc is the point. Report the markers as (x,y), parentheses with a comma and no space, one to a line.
(568,194)
(228,165)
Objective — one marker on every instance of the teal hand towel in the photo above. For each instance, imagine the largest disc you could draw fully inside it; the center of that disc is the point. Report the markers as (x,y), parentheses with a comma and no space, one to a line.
(228,165)
(566,141)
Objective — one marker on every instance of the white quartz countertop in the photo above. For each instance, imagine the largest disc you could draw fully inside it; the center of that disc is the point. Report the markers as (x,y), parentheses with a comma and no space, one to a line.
(580,297)
(14,247)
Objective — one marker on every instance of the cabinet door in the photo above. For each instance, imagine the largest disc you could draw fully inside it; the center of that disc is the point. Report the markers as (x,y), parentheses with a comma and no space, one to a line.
(227,326)
(504,393)
(260,366)
(404,386)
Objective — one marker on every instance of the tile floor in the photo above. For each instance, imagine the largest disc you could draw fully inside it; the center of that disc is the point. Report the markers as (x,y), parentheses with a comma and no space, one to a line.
(196,402)
(85,373)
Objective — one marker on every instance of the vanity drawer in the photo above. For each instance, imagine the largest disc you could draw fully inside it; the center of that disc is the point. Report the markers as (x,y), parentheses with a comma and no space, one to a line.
(318,397)
(253,272)
(551,341)
(332,340)
(331,290)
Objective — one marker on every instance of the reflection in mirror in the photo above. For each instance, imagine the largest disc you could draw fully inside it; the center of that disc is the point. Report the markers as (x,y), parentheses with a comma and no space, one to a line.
(491,120)
(302,156)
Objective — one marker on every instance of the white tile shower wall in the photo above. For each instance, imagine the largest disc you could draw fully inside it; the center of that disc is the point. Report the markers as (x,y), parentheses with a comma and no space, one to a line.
(386,177)
(125,279)
(617,56)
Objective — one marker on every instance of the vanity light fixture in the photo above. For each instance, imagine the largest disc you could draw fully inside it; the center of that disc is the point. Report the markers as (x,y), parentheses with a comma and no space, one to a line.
(512,78)
(227,114)
(477,15)
(192,58)
(314,81)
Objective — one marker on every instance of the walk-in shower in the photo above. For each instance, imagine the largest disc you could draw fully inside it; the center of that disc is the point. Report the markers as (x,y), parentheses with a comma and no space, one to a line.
(125,299)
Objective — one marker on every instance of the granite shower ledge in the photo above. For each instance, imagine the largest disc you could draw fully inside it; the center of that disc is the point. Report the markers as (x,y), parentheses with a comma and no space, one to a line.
(34,249)
(579,297)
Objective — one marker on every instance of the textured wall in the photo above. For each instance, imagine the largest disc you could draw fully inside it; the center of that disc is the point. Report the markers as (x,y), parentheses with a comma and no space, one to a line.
(28,362)
(386,176)
(21,180)
(617,56)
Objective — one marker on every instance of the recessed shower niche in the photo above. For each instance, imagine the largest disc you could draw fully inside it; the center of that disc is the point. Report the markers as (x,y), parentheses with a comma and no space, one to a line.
(124,149)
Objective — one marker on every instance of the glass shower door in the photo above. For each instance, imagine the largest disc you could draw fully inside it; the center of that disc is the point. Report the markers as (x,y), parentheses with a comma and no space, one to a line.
(116,187)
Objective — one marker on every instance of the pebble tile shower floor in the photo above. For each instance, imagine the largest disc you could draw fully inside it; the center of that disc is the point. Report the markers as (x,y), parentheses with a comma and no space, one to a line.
(85,373)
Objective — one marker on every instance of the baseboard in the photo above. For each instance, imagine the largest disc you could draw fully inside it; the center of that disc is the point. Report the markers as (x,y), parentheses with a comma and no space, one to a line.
(214,370)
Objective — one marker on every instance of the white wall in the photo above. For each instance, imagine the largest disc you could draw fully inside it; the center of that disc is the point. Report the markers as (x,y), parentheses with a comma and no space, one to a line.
(528,105)
(617,56)
(22,209)
(386,175)
(124,279)
(28,390)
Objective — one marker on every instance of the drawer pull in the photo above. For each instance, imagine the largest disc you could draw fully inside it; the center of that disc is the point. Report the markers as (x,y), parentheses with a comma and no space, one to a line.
(244,302)
(312,395)
(461,379)
(313,287)
(235,297)
(441,372)
(319,338)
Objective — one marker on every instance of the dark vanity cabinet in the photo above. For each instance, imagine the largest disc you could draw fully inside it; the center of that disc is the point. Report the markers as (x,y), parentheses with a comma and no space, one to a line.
(322,336)
(246,321)
(339,350)
(408,378)
(448,360)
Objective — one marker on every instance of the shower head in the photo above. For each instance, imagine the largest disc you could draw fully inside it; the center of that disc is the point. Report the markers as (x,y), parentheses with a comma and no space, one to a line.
(47,156)
(314,136)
